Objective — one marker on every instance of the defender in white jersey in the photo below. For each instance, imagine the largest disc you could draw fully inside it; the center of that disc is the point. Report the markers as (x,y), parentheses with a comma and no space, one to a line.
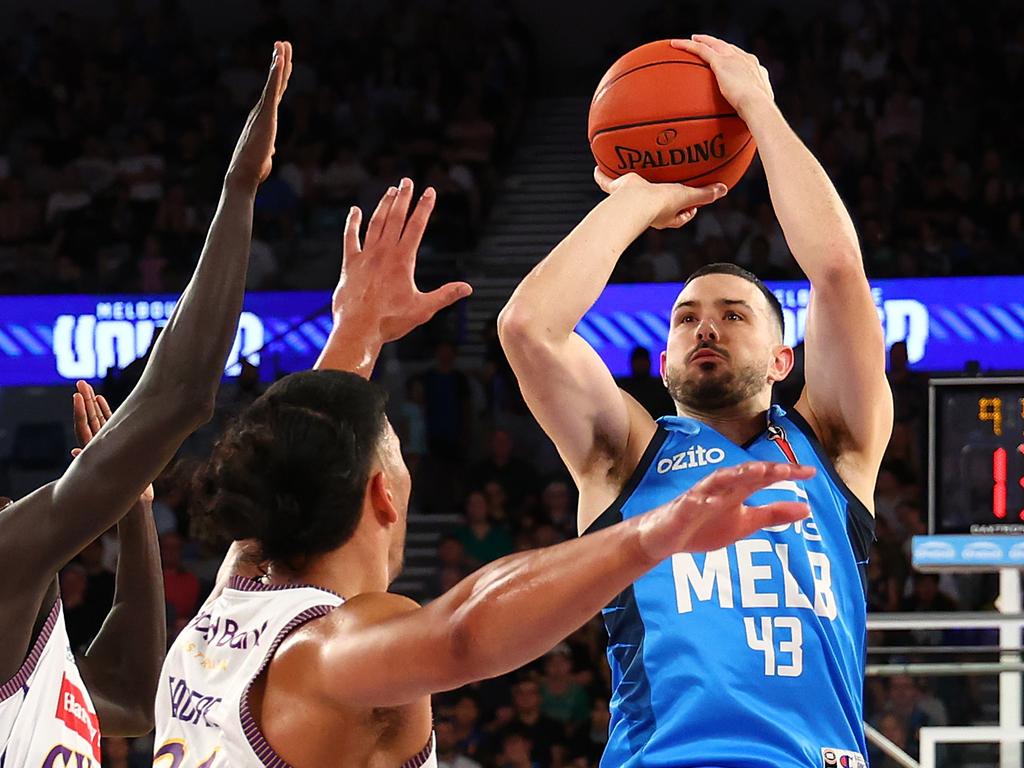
(315,663)
(46,716)
(725,350)
(55,699)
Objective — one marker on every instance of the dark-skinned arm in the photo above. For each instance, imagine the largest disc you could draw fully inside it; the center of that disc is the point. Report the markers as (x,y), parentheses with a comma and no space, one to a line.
(44,530)
(122,665)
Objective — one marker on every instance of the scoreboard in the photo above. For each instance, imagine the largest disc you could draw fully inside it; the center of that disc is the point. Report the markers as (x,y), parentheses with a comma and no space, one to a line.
(976,456)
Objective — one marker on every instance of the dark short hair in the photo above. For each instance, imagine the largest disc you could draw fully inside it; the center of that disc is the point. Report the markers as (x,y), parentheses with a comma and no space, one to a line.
(291,471)
(724,268)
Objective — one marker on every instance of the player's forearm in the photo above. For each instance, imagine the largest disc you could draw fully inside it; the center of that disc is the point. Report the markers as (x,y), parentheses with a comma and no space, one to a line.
(816,224)
(353,345)
(556,294)
(126,656)
(188,361)
(515,609)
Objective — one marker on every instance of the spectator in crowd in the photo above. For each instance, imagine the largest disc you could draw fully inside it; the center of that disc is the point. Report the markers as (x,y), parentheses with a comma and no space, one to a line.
(482,540)
(448,754)
(517,751)
(181,587)
(545,736)
(562,698)
(512,473)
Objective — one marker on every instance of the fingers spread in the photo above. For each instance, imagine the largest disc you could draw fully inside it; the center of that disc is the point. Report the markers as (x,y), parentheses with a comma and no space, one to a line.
(395,221)
(447,295)
(413,233)
(380,214)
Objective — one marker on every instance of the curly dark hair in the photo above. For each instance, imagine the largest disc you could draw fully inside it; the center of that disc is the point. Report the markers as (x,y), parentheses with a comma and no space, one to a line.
(291,470)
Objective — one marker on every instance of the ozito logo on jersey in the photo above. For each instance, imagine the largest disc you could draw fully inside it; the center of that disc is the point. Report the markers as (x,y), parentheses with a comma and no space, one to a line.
(696,456)
(841,758)
(76,714)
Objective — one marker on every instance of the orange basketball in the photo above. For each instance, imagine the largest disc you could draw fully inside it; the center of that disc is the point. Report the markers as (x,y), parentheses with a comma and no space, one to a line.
(658,112)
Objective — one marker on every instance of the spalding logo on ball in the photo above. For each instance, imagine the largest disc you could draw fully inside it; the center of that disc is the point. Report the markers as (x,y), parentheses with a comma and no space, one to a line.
(658,113)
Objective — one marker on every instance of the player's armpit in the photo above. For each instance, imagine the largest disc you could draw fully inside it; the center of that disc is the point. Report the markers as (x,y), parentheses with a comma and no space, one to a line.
(846,396)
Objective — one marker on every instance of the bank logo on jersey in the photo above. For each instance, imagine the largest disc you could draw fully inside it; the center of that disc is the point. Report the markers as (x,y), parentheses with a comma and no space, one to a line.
(75,713)
(695,456)
(841,758)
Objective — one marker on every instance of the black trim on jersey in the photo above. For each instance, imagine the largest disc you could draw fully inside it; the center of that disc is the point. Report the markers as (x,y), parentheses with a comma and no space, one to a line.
(746,446)
(622,618)
(613,514)
(860,523)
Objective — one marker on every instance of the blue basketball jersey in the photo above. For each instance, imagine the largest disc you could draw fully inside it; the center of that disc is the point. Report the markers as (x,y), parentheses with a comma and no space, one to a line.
(753,655)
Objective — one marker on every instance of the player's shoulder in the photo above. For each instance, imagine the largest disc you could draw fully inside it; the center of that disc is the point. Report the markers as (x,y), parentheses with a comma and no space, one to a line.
(359,612)
(302,651)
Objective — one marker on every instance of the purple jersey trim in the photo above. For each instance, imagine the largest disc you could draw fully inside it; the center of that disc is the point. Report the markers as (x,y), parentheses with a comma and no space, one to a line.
(421,757)
(242,584)
(266,754)
(21,677)
(257,741)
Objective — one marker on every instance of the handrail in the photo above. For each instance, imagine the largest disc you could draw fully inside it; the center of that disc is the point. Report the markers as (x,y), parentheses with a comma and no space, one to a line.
(890,748)
(944,620)
(950,669)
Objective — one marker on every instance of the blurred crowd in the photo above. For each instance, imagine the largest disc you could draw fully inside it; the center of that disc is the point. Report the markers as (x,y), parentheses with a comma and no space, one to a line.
(114,135)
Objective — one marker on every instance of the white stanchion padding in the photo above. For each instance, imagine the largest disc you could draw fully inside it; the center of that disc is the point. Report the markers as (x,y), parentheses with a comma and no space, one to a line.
(931,736)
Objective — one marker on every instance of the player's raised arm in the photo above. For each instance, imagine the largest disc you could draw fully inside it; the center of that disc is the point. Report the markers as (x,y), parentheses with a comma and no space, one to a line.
(567,386)
(122,664)
(383,650)
(846,399)
(41,532)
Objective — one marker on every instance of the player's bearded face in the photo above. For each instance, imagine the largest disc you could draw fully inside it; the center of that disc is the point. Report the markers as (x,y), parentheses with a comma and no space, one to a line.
(714,386)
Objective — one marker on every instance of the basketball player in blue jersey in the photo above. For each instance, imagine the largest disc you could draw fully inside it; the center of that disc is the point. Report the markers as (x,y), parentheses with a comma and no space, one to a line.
(54,703)
(751,655)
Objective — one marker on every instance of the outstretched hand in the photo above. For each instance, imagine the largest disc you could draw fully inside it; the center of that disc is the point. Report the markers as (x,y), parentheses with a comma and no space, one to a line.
(671,205)
(712,514)
(91,412)
(252,159)
(377,282)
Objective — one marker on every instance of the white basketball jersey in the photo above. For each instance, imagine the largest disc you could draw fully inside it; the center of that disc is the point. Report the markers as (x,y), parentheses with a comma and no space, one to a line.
(47,719)
(202,705)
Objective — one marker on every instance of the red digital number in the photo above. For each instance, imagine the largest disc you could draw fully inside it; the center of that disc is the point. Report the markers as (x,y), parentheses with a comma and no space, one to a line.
(999,483)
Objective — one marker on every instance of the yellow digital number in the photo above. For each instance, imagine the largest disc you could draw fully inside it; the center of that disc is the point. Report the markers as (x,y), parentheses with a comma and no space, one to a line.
(991,409)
